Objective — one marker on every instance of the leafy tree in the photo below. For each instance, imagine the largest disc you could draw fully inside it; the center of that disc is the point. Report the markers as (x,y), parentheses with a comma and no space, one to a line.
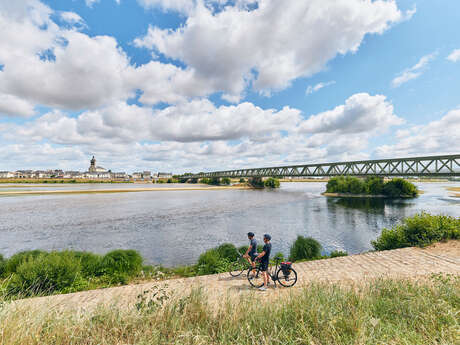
(225,180)
(272,183)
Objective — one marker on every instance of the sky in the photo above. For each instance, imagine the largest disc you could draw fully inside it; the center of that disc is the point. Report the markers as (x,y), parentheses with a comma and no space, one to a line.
(203,85)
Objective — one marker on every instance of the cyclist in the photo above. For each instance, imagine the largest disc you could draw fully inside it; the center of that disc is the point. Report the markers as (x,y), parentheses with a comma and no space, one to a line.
(264,260)
(251,253)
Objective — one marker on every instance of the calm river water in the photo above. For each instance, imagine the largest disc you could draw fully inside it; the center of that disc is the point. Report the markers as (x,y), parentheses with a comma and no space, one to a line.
(174,227)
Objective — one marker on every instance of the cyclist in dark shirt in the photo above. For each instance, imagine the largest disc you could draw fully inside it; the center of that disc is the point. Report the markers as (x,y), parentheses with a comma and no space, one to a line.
(251,253)
(264,260)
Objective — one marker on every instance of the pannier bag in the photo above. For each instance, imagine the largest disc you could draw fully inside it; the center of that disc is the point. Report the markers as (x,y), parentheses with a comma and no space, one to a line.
(286,267)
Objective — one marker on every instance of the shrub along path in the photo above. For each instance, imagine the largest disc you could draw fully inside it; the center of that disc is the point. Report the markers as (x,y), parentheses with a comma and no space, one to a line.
(399,263)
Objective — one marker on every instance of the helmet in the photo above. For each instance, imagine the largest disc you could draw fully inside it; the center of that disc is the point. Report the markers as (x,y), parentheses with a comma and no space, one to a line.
(267,236)
(250,234)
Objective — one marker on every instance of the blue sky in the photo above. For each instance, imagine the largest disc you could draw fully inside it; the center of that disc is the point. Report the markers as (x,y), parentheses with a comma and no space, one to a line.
(211,84)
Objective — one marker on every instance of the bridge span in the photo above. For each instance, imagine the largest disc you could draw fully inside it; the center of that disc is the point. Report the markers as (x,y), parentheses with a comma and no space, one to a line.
(431,166)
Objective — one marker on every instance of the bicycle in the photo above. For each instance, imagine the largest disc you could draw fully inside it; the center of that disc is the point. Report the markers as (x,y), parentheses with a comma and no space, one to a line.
(285,275)
(239,266)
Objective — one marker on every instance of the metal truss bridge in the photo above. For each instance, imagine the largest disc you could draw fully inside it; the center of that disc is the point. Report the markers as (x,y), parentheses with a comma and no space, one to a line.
(432,166)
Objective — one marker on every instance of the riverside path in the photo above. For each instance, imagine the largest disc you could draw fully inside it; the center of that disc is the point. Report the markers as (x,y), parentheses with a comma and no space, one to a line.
(429,166)
(412,263)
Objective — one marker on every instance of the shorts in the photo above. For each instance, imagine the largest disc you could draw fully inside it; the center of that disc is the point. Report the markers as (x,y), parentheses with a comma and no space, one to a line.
(253,256)
(264,266)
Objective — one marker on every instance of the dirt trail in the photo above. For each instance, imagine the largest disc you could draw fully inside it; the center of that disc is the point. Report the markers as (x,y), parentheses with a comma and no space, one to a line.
(398,263)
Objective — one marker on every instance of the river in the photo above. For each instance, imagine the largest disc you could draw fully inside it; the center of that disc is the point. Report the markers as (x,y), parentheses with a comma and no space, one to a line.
(174,227)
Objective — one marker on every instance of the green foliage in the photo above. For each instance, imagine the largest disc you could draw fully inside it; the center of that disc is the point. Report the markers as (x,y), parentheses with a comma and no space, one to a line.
(272,183)
(193,180)
(243,249)
(18,258)
(45,273)
(305,248)
(214,181)
(39,272)
(91,265)
(337,253)
(260,248)
(374,185)
(121,261)
(396,188)
(256,182)
(242,180)
(227,251)
(211,262)
(2,266)
(279,256)
(225,181)
(399,187)
(419,230)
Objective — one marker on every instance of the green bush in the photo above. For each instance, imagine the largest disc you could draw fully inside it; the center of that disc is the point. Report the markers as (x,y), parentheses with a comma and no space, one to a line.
(256,182)
(127,262)
(225,181)
(2,266)
(214,181)
(45,273)
(337,253)
(91,265)
(242,180)
(227,251)
(211,262)
(18,258)
(305,248)
(374,185)
(242,249)
(419,230)
(272,183)
(399,187)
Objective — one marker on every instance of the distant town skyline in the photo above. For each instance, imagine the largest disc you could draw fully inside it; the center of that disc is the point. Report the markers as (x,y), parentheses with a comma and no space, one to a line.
(203,85)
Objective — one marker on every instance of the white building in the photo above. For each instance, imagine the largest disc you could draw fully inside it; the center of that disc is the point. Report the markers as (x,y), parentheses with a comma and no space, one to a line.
(7,174)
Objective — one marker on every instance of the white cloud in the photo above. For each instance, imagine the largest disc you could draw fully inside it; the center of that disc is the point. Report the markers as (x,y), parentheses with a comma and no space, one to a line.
(183,6)
(13,106)
(272,44)
(437,137)
(454,56)
(319,86)
(199,134)
(414,71)
(90,3)
(360,113)
(71,17)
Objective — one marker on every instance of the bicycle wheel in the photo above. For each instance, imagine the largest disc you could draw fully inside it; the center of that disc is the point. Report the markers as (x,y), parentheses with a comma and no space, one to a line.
(237,268)
(256,279)
(287,280)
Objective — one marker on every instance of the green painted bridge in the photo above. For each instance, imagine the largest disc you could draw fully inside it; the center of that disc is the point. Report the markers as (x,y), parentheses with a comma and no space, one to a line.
(431,166)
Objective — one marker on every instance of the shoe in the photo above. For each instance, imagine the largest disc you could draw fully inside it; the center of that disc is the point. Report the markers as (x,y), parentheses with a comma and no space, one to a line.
(263,288)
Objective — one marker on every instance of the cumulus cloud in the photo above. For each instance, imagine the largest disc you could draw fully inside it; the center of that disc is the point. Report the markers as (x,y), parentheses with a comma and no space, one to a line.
(13,106)
(414,71)
(319,86)
(437,137)
(360,113)
(454,56)
(215,135)
(270,45)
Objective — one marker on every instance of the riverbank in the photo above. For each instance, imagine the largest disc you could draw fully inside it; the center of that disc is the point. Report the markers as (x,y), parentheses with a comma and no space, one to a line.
(130,190)
(454,189)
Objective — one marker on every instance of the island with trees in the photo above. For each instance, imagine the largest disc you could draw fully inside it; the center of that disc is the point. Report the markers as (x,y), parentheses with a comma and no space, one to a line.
(370,187)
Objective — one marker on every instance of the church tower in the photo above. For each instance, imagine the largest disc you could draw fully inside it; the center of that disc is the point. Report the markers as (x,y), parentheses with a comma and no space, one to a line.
(92,167)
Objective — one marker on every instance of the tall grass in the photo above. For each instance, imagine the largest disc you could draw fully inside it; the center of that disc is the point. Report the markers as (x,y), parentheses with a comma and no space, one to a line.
(383,312)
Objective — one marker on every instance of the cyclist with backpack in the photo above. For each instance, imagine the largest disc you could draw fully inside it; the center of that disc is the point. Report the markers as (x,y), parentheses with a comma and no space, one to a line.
(264,258)
(251,253)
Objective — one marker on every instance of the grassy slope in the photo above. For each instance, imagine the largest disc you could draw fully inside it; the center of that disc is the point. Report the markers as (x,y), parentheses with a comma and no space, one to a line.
(383,312)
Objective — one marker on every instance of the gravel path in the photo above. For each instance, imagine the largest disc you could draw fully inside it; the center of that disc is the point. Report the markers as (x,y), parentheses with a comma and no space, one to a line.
(398,263)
